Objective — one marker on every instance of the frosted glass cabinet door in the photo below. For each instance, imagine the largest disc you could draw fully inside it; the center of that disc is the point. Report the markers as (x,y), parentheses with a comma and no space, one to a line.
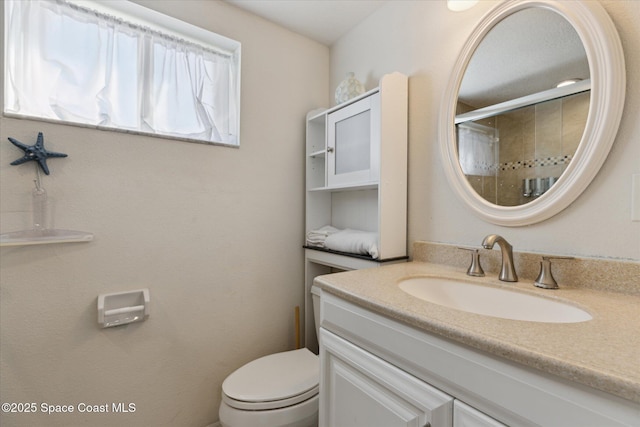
(353,143)
(360,390)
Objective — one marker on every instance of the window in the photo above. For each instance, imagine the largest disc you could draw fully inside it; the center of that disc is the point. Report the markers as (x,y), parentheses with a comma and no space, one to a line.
(126,68)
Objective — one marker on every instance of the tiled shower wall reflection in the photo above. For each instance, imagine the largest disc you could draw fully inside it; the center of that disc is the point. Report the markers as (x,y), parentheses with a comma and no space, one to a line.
(537,141)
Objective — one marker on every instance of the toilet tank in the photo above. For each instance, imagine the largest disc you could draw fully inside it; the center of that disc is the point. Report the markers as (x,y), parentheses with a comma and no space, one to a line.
(315,296)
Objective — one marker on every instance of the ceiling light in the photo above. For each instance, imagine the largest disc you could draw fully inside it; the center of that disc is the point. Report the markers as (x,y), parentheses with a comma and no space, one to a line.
(460,5)
(568,82)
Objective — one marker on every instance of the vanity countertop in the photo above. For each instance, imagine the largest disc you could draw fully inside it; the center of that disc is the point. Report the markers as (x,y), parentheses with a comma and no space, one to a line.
(603,353)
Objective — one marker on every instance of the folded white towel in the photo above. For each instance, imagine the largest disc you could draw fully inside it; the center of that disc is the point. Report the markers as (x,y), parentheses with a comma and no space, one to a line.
(317,237)
(353,241)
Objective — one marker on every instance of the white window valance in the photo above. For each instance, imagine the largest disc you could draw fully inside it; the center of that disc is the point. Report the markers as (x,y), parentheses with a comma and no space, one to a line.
(72,64)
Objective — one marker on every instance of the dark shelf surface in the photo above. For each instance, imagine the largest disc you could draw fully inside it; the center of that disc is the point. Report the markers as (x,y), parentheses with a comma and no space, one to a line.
(360,256)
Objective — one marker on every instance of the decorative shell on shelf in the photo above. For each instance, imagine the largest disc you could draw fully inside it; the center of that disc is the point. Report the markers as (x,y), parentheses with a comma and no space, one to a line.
(349,88)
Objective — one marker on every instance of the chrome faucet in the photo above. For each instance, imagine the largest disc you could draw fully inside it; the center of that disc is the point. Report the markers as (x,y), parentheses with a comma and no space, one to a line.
(507,272)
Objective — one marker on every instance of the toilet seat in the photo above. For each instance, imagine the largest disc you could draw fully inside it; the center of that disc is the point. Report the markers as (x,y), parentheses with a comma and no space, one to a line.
(274,381)
(274,404)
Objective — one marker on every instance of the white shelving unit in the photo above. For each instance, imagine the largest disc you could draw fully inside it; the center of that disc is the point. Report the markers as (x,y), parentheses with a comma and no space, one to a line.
(356,177)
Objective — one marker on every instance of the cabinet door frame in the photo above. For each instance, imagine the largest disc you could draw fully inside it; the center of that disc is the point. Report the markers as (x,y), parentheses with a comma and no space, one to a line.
(467,416)
(372,173)
(414,402)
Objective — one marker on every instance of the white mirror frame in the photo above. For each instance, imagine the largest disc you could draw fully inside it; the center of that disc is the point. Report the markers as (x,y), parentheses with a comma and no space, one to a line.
(607,69)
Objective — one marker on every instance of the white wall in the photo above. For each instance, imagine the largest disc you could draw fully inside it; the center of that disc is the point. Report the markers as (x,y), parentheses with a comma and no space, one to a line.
(423,40)
(214,232)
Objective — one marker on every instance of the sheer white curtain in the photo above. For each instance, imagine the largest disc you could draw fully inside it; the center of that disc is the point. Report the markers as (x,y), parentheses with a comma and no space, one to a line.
(477,149)
(75,65)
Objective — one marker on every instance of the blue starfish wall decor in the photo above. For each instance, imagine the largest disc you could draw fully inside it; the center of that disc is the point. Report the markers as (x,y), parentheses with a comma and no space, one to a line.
(35,152)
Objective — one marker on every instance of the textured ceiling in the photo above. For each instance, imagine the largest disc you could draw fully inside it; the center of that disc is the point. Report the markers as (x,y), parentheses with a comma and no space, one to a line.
(322,20)
(528,52)
(532,42)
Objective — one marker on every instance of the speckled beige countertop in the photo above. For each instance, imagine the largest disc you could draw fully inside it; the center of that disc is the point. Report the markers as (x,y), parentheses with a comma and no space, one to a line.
(603,353)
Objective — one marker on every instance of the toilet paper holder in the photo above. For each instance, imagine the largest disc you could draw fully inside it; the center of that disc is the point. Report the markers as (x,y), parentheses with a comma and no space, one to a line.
(122,308)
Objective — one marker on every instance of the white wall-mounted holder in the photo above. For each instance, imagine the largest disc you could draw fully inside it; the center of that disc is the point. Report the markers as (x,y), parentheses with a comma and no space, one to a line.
(121,308)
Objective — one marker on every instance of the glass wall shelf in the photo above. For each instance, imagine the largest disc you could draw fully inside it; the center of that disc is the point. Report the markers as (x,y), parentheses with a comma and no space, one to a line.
(43,237)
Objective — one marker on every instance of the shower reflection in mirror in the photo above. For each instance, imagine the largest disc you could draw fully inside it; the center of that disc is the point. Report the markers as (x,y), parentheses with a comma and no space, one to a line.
(513,155)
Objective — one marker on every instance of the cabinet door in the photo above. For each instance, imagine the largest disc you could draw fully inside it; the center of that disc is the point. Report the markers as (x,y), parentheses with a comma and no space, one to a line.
(357,389)
(466,416)
(353,143)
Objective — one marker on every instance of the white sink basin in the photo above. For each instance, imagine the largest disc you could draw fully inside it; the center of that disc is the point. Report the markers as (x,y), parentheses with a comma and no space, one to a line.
(490,301)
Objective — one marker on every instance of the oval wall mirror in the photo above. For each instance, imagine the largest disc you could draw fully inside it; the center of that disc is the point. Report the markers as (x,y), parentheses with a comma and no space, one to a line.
(532,108)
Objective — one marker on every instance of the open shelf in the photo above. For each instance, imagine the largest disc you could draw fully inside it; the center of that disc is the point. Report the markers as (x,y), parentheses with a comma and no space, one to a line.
(319,153)
(43,237)
(363,186)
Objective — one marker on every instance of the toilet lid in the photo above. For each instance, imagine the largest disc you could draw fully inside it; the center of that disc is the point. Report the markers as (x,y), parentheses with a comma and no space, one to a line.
(275,377)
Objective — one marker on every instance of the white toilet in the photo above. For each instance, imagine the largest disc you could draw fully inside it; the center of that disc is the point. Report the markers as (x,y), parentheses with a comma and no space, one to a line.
(279,390)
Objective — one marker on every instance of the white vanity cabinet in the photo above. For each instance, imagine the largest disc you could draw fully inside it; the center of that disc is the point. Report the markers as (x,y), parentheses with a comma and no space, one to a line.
(359,389)
(466,416)
(356,178)
(390,373)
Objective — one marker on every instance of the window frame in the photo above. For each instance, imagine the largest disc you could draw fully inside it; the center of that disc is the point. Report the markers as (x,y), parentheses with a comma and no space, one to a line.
(143,16)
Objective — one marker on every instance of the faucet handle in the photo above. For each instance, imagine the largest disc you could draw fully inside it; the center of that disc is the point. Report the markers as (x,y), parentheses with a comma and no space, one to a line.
(545,278)
(475,269)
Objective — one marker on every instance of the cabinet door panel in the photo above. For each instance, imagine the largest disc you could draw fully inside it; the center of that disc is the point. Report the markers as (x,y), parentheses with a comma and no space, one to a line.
(466,416)
(353,143)
(368,403)
(359,389)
